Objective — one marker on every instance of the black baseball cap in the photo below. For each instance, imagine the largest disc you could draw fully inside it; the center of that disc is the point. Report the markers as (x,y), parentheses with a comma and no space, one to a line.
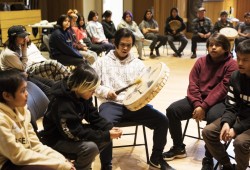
(17,30)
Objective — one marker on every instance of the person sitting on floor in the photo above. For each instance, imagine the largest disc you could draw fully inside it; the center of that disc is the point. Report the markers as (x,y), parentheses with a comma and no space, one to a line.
(175,35)
(20,148)
(207,89)
(30,58)
(234,123)
(15,55)
(202,29)
(71,105)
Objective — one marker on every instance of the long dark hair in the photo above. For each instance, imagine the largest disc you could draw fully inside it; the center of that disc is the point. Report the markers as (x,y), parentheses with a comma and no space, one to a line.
(148,10)
(78,21)
(61,19)
(91,15)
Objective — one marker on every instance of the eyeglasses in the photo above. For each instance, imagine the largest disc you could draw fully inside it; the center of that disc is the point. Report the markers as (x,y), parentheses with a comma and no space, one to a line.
(123,45)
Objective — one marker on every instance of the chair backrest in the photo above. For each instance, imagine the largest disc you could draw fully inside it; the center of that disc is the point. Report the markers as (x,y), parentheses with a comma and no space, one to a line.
(46,41)
(37,103)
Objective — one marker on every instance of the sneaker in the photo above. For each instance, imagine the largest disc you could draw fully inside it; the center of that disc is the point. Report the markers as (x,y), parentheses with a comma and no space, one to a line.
(175,55)
(207,163)
(160,164)
(228,167)
(157,52)
(175,152)
(141,58)
(152,55)
(193,55)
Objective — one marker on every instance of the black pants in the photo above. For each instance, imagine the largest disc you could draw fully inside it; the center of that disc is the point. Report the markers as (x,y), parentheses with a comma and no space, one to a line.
(147,116)
(162,39)
(43,83)
(181,38)
(182,110)
(195,39)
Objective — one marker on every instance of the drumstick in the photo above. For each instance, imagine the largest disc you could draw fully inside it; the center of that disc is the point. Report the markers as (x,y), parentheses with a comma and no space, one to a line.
(137,81)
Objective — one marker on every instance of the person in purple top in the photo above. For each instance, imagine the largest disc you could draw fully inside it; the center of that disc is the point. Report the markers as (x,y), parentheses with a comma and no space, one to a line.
(207,89)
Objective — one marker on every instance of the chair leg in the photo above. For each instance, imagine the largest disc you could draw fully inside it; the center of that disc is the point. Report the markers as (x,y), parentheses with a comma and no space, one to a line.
(185,130)
(198,127)
(146,143)
(135,138)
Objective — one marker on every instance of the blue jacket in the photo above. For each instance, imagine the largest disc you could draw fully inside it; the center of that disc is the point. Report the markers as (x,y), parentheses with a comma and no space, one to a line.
(61,43)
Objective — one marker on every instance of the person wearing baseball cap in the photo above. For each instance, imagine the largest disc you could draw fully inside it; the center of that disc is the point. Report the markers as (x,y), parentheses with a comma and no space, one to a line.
(17,30)
(202,29)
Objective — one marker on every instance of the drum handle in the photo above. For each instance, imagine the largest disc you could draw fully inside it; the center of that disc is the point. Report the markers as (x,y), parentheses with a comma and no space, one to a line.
(137,81)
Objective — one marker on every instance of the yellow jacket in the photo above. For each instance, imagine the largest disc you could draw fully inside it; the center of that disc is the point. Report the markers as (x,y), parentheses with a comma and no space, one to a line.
(19,143)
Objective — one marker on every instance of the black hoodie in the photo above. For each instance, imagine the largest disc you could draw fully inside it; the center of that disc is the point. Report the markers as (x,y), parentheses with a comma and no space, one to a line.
(63,118)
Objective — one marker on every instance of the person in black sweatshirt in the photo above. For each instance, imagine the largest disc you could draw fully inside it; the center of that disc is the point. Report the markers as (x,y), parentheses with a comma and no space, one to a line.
(235,122)
(72,125)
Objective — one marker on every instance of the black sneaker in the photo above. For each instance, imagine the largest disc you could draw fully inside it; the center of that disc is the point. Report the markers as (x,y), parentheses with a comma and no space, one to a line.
(160,164)
(157,52)
(193,55)
(175,152)
(207,163)
(228,167)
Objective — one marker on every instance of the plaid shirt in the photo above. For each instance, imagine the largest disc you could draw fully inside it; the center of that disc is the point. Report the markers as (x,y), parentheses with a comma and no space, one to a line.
(116,74)
(202,27)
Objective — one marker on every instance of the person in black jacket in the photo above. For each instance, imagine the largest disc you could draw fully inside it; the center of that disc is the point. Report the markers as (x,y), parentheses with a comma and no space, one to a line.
(176,35)
(72,125)
(235,122)
(108,26)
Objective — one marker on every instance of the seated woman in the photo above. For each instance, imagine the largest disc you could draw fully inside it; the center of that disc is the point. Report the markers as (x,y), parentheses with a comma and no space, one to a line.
(127,22)
(150,30)
(95,31)
(61,45)
(15,55)
(31,61)
(176,35)
(108,25)
(82,35)
(20,148)
(89,55)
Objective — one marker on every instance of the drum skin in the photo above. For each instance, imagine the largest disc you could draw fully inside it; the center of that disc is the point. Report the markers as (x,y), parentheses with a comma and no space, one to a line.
(230,33)
(175,24)
(153,80)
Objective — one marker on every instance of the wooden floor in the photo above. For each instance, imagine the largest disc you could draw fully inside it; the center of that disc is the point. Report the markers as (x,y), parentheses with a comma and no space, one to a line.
(134,158)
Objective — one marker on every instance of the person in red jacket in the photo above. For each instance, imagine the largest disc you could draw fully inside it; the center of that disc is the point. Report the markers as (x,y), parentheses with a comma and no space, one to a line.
(208,81)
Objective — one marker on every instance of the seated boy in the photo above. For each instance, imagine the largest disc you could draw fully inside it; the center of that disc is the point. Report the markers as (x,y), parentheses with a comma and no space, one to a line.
(235,122)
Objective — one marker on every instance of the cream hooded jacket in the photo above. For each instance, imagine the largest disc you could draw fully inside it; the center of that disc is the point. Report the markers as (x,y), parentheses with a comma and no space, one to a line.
(19,143)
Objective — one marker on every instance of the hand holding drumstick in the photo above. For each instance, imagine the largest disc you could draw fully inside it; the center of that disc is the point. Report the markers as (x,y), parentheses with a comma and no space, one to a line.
(137,81)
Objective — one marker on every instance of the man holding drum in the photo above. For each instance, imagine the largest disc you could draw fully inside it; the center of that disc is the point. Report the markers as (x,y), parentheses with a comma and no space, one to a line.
(223,22)
(173,30)
(208,81)
(118,69)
